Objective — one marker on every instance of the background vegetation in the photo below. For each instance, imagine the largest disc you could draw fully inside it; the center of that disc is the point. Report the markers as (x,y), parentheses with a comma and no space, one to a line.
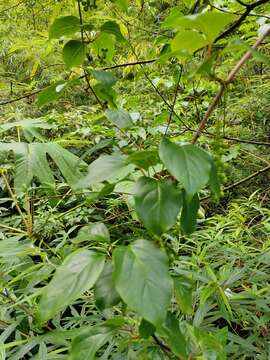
(134,187)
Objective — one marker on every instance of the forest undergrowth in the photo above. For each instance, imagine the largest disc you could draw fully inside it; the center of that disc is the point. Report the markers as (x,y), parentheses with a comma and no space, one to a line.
(134,209)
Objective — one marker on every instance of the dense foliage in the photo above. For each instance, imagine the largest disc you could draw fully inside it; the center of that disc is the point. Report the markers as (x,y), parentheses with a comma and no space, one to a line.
(134,183)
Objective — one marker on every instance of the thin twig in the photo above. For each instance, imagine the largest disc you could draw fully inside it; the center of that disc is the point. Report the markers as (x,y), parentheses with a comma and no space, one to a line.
(223,85)
(242,181)
(25,96)
(174,99)
(14,198)
(238,23)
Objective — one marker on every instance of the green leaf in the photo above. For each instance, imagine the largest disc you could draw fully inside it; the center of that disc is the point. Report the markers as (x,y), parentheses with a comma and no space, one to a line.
(85,346)
(189,213)
(144,159)
(119,118)
(25,125)
(14,246)
(106,167)
(210,23)
(106,78)
(51,93)
(183,294)
(142,279)
(170,331)
(105,293)
(93,232)
(157,204)
(104,46)
(187,163)
(78,273)
(66,25)
(146,329)
(31,161)
(107,94)
(186,42)
(214,181)
(73,53)
(122,4)
(111,27)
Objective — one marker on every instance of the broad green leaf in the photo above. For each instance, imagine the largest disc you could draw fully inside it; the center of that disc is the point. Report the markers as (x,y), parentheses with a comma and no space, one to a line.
(172,19)
(14,246)
(66,25)
(25,124)
(209,23)
(85,346)
(105,293)
(106,167)
(93,232)
(146,329)
(111,27)
(187,163)
(31,162)
(189,213)
(107,94)
(68,163)
(51,93)
(104,46)
(157,203)
(119,118)
(186,42)
(144,159)
(78,273)
(141,277)
(106,78)
(183,294)
(170,331)
(73,53)
(122,4)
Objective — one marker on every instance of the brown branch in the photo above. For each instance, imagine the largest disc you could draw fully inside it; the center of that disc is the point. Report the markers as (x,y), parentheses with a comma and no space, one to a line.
(246,141)
(140,62)
(25,96)
(12,7)
(242,181)
(223,85)
(164,347)
(237,23)
(259,172)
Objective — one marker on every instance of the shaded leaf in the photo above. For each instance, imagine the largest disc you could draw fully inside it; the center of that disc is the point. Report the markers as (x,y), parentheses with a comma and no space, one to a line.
(111,27)
(189,213)
(78,273)
(119,118)
(106,78)
(73,53)
(93,232)
(183,294)
(106,167)
(187,163)
(66,25)
(105,293)
(144,159)
(146,329)
(173,336)
(104,46)
(51,93)
(142,279)
(157,204)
